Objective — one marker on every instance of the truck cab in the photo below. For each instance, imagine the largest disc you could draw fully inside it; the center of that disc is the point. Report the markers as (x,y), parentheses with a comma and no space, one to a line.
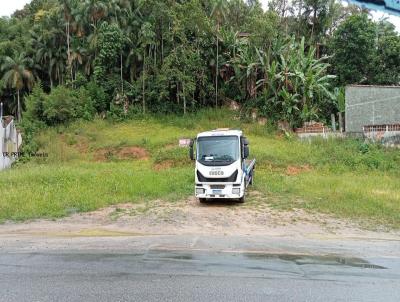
(222,169)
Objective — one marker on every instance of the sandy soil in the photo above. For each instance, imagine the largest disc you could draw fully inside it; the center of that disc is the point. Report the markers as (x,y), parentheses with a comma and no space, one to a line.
(191,217)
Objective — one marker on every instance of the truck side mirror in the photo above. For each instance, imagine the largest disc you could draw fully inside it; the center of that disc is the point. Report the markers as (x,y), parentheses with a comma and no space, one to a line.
(191,152)
(245,147)
(246,151)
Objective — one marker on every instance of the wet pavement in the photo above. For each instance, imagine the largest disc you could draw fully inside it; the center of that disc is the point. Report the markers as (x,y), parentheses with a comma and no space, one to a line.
(195,275)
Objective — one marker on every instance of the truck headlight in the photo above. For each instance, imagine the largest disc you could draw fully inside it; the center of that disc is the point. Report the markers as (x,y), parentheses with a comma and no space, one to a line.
(199,191)
(236,191)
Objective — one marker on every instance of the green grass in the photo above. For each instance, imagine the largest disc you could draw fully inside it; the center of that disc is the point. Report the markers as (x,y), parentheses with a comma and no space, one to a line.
(57,190)
(343,177)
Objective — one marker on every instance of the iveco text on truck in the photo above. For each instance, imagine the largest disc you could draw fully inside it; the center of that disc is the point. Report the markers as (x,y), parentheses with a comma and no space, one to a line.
(222,168)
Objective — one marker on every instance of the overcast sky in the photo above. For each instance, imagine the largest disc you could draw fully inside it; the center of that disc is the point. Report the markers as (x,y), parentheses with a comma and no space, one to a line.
(7,7)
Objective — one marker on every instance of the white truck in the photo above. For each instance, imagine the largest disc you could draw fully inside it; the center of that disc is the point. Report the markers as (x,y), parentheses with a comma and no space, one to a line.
(222,168)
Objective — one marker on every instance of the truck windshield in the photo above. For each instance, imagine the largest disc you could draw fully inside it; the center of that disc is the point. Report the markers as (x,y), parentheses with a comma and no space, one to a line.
(217,150)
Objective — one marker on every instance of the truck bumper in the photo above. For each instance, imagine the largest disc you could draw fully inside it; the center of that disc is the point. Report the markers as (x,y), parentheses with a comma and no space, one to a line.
(228,191)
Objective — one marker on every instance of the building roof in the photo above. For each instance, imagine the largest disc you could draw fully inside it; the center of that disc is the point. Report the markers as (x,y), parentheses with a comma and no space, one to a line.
(373,86)
(221,132)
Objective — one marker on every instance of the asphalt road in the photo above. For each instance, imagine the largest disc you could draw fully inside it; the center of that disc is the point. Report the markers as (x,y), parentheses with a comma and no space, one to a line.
(188,275)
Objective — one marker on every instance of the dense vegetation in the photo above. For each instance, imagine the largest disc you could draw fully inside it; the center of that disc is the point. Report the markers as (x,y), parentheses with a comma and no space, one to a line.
(67,59)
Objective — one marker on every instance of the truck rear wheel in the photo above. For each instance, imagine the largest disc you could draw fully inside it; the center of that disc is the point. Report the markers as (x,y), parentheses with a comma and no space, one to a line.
(252,178)
(242,199)
(203,200)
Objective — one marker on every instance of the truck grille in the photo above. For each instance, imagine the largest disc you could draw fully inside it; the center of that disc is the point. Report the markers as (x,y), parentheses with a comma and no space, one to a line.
(231,178)
(217,187)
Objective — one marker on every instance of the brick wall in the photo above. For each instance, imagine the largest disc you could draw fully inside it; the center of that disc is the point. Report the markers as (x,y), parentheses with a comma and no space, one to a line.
(371,105)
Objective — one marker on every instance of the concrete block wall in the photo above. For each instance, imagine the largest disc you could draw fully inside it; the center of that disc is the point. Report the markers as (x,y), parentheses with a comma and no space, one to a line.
(371,105)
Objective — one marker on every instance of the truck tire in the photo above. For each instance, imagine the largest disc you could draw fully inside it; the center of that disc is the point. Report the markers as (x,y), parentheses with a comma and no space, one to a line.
(203,200)
(252,178)
(242,199)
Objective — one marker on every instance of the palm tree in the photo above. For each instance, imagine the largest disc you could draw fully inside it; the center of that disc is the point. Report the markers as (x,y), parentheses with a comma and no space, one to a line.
(17,75)
(48,44)
(218,13)
(95,10)
(77,57)
(146,41)
(67,12)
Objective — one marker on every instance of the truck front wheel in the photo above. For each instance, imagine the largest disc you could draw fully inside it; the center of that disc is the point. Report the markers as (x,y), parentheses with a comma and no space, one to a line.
(203,200)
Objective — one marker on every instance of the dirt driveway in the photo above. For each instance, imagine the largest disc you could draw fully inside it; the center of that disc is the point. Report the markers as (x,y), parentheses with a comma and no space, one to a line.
(190,217)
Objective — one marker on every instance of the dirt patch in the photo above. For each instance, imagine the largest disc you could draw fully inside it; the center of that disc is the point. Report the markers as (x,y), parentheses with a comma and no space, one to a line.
(295,170)
(122,153)
(82,146)
(164,165)
(133,152)
(255,217)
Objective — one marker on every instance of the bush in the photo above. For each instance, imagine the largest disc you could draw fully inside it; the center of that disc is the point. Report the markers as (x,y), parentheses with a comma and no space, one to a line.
(62,105)
(99,96)
(35,104)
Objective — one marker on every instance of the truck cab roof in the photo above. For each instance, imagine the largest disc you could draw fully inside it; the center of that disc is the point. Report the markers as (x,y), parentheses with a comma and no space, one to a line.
(221,132)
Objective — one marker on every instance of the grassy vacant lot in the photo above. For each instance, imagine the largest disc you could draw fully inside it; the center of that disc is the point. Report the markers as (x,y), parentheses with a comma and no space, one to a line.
(94,164)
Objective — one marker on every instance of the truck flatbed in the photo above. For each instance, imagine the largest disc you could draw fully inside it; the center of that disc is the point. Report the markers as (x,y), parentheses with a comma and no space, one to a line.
(249,170)
(249,164)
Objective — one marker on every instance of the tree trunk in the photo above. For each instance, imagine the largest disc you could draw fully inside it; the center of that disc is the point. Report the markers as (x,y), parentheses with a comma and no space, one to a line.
(68,42)
(72,75)
(216,72)
(299,16)
(155,56)
(313,24)
(122,80)
(184,100)
(18,107)
(177,93)
(162,49)
(69,48)
(143,83)
(162,42)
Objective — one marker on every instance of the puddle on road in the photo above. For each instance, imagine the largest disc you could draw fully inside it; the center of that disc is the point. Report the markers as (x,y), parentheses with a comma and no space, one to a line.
(170,255)
(228,260)
(221,259)
(316,260)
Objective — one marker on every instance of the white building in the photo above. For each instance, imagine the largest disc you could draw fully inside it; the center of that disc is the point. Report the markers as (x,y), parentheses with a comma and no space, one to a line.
(10,141)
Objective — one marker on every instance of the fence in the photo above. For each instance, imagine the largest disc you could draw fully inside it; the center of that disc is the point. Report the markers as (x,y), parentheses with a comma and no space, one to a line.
(388,135)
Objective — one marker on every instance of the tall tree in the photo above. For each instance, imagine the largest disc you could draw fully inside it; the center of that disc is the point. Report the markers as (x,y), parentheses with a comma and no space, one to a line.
(95,10)
(146,41)
(386,68)
(67,14)
(18,75)
(218,13)
(353,49)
